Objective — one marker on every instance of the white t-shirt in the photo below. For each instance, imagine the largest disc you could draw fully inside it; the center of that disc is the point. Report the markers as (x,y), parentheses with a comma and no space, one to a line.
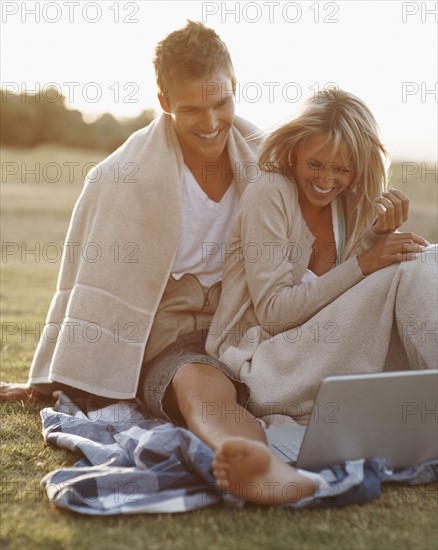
(205,228)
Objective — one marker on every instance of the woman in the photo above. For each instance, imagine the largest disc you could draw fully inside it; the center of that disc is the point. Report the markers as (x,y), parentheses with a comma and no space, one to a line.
(316,280)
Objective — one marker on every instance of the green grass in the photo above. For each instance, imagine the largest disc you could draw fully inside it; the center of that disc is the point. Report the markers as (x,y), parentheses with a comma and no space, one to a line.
(402,518)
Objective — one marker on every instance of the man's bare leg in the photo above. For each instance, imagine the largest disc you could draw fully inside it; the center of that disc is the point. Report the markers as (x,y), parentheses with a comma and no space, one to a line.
(243,465)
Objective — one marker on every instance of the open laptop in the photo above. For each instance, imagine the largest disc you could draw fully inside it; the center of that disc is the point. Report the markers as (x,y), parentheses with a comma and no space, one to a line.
(391,415)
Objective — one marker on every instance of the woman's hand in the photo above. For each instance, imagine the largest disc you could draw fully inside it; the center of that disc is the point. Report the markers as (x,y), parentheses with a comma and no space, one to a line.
(395,248)
(392,212)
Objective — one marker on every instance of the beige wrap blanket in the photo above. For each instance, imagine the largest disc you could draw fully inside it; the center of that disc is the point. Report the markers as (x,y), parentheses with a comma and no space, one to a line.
(122,242)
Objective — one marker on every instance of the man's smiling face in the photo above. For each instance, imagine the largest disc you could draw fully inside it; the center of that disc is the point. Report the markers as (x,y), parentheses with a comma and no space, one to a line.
(202,112)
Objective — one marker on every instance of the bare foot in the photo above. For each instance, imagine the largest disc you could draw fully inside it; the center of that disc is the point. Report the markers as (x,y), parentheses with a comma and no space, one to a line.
(248,470)
(19,392)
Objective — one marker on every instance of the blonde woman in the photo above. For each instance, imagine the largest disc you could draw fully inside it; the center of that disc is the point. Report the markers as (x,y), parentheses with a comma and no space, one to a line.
(317,281)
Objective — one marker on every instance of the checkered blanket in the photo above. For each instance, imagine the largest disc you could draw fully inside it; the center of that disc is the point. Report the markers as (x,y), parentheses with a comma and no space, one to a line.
(133,464)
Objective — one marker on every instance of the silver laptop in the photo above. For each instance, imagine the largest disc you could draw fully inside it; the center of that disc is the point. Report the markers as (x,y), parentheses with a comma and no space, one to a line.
(391,415)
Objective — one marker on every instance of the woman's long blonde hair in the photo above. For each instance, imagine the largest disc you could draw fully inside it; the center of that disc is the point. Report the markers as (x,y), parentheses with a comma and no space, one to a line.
(349,125)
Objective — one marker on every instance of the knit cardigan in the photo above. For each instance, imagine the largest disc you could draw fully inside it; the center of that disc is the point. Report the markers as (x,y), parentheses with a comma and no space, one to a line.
(122,241)
(267,254)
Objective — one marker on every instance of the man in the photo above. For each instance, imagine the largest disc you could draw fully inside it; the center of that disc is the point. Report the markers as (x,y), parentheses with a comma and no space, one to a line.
(149,313)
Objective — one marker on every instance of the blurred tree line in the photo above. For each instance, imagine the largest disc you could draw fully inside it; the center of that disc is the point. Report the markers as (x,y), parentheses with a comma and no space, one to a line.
(32,119)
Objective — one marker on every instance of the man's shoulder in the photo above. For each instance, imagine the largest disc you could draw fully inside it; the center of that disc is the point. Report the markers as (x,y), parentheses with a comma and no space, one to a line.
(140,151)
(248,131)
(245,127)
(133,145)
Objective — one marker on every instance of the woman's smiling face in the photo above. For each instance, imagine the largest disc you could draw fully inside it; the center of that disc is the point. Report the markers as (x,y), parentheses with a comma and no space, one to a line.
(319,176)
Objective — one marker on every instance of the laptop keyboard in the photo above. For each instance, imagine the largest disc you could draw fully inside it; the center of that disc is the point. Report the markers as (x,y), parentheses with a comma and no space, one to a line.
(289,450)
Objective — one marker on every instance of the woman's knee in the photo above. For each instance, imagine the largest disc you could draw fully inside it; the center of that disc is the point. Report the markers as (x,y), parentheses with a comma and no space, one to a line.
(194,381)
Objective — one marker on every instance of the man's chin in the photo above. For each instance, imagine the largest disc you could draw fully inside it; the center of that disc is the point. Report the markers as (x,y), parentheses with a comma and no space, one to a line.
(199,152)
(207,154)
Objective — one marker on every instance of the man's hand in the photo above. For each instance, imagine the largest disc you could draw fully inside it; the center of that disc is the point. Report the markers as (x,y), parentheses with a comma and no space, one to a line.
(19,392)
(392,212)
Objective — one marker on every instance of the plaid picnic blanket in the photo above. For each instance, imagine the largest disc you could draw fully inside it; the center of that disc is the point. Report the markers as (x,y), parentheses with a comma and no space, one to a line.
(134,464)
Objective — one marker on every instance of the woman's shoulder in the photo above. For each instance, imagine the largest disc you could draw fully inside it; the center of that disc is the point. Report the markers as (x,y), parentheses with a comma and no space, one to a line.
(270,186)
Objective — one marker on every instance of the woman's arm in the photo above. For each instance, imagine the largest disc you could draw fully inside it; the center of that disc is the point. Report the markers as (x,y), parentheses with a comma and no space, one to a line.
(273,245)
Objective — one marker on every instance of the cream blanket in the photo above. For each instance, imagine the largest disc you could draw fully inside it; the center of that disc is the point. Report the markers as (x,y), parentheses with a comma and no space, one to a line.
(388,321)
(122,241)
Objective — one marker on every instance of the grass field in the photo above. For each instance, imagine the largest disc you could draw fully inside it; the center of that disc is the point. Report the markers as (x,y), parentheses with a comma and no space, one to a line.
(35,214)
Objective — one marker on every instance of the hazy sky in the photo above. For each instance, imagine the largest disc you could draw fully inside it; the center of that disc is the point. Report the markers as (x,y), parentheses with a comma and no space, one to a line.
(99,54)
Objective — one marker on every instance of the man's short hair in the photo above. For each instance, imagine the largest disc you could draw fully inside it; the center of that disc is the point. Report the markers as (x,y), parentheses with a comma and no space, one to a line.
(193,52)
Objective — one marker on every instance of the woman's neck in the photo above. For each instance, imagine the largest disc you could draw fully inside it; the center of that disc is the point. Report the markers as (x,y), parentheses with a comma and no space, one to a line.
(315,216)
(320,224)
